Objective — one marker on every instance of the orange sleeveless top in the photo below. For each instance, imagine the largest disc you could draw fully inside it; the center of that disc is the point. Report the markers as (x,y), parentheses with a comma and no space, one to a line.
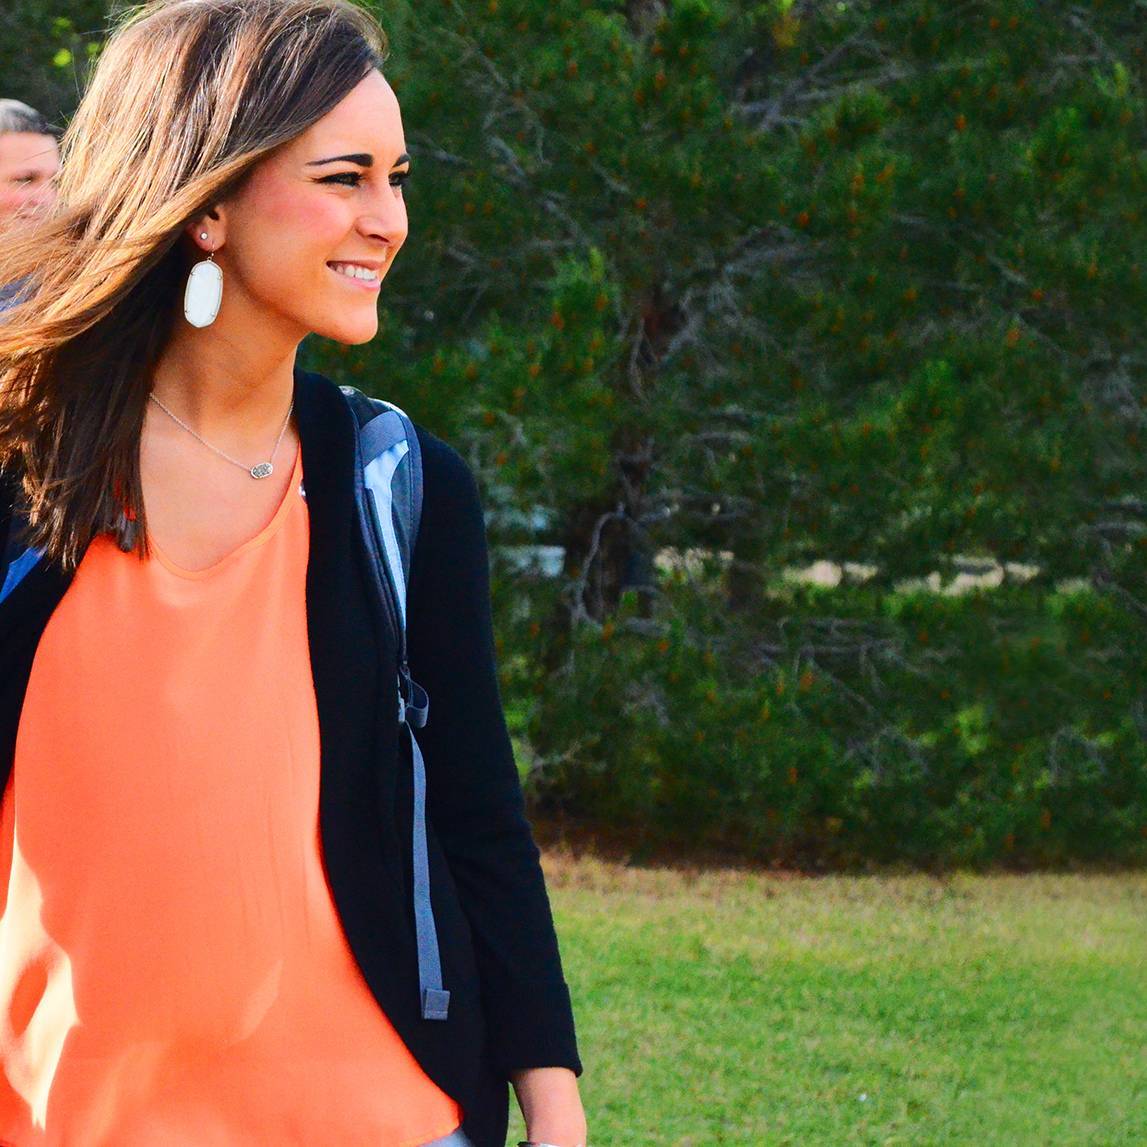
(172,968)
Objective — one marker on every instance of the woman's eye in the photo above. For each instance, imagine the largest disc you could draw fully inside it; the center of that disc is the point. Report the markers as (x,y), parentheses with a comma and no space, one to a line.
(399,178)
(346,178)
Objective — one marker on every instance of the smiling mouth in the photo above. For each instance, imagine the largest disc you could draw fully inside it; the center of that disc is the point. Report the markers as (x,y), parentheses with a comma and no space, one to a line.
(355,271)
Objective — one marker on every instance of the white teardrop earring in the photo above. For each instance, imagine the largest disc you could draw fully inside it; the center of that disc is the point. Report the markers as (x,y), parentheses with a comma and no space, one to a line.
(204,290)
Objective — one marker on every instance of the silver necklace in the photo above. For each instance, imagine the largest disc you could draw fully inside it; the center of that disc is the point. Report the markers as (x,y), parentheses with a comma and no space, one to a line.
(260,469)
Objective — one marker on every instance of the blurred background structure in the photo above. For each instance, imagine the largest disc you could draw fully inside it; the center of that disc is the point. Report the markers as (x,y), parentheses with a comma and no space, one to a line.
(798,347)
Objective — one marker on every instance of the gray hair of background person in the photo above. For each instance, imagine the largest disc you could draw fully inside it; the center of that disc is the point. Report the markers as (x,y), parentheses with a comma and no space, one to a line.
(16,116)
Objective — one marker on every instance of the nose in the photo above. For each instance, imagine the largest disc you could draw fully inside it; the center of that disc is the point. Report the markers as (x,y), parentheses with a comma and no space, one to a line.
(44,196)
(384,217)
(37,199)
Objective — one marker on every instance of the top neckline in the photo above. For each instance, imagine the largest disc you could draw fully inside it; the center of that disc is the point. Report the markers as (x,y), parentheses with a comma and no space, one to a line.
(264,535)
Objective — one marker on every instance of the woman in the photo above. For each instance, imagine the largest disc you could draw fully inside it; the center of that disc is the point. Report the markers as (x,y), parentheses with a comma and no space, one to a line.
(206,933)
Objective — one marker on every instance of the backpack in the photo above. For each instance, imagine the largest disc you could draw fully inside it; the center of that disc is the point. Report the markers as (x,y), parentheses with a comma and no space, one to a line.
(388,496)
(388,493)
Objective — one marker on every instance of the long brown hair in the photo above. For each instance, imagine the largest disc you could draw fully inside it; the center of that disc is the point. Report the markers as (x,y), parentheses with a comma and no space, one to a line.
(187,96)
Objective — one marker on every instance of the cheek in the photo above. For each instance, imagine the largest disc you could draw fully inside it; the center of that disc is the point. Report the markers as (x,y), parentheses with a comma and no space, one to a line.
(288,223)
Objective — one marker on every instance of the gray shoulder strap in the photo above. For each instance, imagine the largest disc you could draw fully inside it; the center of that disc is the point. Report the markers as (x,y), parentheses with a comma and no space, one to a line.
(389,497)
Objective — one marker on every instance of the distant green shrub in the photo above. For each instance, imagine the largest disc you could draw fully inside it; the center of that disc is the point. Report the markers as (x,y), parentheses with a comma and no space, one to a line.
(1015,746)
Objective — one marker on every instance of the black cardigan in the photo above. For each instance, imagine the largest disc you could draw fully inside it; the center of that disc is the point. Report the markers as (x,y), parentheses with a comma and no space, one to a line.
(509,1005)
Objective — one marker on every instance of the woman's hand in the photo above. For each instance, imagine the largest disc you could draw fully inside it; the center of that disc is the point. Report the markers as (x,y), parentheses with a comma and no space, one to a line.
(551,1105)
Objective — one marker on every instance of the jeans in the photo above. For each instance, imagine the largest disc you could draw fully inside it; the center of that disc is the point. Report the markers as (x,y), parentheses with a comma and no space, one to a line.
(455,1139)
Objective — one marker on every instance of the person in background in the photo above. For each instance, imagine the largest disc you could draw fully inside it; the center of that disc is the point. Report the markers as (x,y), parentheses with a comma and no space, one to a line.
(29,161)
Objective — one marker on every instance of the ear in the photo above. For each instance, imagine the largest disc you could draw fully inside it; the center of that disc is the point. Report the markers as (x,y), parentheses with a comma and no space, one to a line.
(208,231)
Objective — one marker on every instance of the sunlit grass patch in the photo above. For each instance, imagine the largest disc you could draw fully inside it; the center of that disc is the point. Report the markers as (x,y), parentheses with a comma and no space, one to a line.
(746,1007)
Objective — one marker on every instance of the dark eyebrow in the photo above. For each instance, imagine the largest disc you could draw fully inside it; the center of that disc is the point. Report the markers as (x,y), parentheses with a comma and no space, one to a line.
(361,158)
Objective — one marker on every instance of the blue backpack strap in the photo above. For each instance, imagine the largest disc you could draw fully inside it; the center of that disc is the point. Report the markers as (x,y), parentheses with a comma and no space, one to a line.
(17,557)
(17,566)
(388,492)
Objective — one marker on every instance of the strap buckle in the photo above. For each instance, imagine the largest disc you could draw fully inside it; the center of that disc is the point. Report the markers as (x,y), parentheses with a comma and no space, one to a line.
(413,703)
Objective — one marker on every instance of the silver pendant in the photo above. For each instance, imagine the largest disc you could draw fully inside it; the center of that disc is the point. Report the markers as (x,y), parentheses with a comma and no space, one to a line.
(263,470)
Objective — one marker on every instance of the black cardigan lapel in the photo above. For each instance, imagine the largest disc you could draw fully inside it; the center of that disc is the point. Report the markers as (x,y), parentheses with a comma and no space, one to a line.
(352,662)
(23,616)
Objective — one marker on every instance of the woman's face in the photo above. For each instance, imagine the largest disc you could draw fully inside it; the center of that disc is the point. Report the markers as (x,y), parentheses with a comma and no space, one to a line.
(307,240)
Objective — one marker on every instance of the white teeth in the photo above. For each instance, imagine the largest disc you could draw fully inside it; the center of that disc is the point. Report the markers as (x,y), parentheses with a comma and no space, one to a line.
(353,271)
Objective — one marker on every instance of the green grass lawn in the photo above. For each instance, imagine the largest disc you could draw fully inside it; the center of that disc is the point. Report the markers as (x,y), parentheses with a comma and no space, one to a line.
(751,1008)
